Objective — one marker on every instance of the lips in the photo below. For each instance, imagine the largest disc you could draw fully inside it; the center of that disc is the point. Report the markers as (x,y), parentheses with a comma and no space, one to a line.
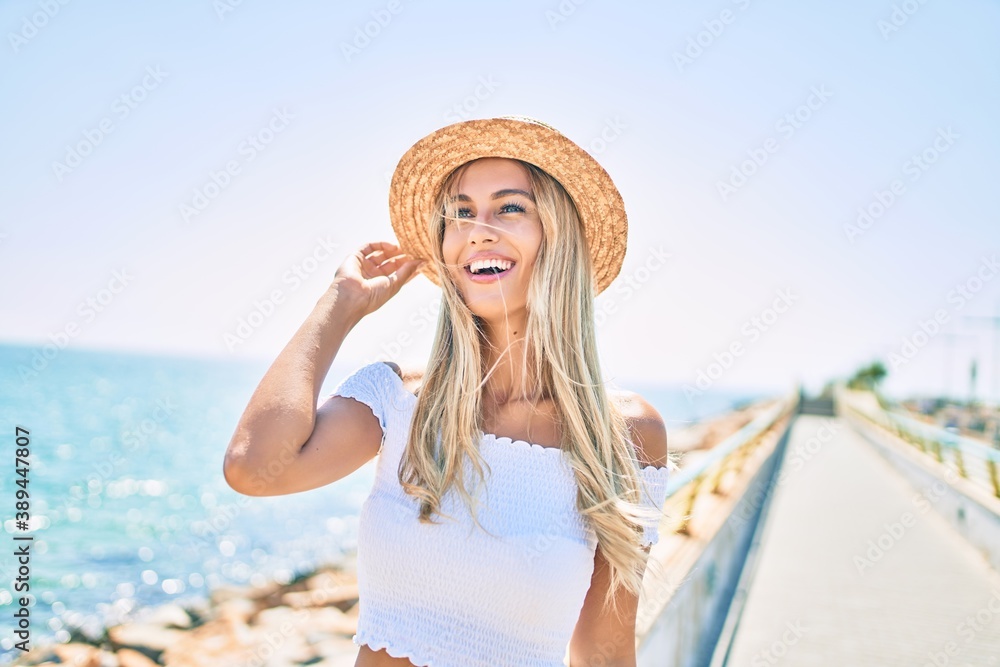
(487,277)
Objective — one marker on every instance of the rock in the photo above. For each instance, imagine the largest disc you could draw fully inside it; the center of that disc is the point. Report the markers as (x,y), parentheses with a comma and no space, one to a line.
(199,610)
(314,623)
(342,596)
(169,616)
(329,579)
(335,587)
(129,658)
(147,638)
(81,655)
(335,652)
(38,655)
(274,616)
(331,620)
(224,592)
(270,593)
(225,642)
(236,609)
(328,646)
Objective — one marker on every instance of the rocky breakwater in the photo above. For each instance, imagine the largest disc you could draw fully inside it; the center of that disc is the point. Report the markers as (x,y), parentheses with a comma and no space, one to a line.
(308,621)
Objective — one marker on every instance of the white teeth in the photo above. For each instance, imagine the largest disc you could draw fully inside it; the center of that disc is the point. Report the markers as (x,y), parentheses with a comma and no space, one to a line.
(481,264)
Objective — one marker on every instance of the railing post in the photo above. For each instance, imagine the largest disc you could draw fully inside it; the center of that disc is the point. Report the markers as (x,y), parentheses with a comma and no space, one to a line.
(733,462)
(717,478)
(992,467)
(960,462)
(685,527)
(746,450)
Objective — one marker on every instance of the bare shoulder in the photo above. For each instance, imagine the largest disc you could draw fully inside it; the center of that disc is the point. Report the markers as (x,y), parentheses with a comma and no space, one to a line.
(649,431)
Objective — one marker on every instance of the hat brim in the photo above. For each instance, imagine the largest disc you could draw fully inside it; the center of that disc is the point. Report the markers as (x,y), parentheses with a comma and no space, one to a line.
(428,162)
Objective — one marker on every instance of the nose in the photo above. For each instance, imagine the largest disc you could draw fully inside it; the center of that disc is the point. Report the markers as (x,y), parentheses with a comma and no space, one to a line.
(482,229)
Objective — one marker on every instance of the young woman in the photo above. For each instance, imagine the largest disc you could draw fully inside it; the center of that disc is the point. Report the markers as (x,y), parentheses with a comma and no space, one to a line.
(516,497)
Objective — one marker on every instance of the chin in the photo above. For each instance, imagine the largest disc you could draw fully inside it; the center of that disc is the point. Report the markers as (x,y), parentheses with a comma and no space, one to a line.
(495,311)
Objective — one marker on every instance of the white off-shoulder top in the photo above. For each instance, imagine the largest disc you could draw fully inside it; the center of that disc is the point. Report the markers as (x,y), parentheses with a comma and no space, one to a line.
(451,595)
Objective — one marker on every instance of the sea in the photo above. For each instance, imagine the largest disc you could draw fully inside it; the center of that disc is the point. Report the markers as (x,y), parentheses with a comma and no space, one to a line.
(128,506)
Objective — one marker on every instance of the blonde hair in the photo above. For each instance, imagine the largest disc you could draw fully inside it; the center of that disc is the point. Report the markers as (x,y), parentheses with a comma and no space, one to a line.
(561,354)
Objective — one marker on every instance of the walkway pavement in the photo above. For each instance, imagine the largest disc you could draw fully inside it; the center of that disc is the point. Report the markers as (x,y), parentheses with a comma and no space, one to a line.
(857,569)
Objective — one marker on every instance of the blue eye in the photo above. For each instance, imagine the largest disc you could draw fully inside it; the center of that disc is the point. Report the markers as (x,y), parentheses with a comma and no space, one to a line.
(509,207)
(517,207)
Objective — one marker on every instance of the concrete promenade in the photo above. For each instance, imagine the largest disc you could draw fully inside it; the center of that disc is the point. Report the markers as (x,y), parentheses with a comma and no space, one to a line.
(856,569)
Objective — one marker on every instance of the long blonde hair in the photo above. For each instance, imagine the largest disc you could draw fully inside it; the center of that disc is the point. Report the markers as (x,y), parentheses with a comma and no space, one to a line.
(561,353)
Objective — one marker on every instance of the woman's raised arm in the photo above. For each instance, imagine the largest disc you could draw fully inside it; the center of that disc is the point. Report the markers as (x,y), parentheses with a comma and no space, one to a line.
(268,453)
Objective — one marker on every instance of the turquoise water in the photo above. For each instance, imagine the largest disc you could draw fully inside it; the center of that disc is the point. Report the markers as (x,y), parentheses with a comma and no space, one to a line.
(128,502)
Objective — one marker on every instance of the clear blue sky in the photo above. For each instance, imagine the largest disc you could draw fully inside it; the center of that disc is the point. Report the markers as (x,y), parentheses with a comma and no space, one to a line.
(833,100)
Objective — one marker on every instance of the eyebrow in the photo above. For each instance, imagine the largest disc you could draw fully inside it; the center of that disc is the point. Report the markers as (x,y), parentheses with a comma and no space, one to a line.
(497,195)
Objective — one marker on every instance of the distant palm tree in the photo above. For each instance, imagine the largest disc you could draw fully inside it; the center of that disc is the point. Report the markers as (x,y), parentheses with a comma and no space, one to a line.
(868,377)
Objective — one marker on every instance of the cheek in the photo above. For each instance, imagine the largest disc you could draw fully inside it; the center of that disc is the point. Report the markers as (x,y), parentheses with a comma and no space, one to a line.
(450,248)
(533,241)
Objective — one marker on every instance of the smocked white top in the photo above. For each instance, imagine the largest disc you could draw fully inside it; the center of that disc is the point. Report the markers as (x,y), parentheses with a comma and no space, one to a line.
(450,595)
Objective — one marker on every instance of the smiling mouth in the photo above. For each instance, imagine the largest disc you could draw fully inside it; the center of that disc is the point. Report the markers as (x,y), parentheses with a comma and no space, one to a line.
(492,270)
(489,271)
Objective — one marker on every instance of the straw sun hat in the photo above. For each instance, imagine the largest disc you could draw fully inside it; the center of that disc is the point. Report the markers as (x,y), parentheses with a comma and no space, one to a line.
(425,165)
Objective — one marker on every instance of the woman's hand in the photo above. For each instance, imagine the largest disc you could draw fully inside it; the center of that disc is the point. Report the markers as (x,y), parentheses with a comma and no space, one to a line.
(374,274)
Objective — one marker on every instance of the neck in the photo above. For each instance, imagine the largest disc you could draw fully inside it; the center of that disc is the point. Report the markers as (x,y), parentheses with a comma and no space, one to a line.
(505,357)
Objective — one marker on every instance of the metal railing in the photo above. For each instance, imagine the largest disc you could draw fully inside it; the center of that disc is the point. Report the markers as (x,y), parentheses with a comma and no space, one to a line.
(728,455)
(974,460)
